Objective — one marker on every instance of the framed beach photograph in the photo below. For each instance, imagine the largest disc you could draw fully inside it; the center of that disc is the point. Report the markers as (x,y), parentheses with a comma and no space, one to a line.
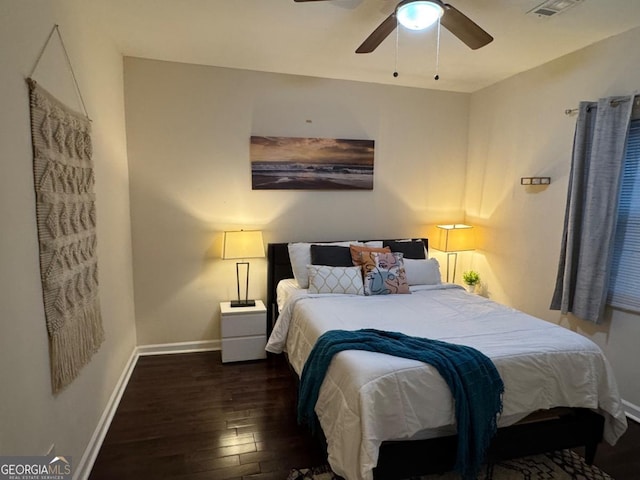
(288,163)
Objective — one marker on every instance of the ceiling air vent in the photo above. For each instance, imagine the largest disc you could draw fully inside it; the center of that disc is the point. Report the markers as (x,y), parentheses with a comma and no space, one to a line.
(553,7)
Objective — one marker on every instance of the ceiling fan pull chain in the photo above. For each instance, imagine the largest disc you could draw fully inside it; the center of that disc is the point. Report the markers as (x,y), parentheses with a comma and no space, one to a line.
(395,69)
(437,75)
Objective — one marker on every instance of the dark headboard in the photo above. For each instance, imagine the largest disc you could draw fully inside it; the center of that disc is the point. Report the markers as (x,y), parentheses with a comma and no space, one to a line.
(279,268)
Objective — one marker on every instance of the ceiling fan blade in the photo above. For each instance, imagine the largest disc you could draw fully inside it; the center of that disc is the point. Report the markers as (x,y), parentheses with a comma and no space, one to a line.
(464,28)
(378,35)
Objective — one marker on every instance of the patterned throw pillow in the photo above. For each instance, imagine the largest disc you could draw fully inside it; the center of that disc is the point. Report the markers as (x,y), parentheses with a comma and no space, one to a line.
(357,250)
(384,273)
(324,279)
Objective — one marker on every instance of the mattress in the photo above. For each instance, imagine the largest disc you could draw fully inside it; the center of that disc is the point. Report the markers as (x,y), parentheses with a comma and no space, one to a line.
(367,398)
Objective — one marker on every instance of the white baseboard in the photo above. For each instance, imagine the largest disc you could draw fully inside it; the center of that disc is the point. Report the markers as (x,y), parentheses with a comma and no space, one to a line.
(182,347)
(83,470)
(632,411)
(85,465)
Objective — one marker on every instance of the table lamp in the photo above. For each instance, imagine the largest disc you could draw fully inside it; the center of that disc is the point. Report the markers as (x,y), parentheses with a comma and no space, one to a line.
(242,245)
(452,239)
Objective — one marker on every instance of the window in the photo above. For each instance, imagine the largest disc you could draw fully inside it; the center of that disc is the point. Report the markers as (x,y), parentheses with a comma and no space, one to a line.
(624,284)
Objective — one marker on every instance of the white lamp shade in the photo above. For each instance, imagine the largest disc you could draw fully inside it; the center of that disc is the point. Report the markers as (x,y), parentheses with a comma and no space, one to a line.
(452,238)
(243,244)
(419,15)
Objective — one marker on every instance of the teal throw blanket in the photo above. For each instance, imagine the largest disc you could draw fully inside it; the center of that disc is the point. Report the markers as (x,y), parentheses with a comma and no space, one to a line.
(475,383)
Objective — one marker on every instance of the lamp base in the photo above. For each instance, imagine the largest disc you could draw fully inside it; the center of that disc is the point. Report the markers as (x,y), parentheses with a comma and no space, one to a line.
(243,303)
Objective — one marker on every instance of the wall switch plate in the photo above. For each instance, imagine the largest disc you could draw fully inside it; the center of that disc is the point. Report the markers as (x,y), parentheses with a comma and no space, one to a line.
(535,181)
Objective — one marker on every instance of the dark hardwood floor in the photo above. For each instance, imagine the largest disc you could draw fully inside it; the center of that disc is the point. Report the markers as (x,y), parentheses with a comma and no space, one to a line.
(189,417)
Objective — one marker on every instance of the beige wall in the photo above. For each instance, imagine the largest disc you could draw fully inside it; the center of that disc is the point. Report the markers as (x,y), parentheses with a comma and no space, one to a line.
(518,128)
(188,133)
(31,418)
(188,179)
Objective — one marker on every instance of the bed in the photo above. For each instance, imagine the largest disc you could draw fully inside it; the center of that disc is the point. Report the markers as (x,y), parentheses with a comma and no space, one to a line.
(389,417)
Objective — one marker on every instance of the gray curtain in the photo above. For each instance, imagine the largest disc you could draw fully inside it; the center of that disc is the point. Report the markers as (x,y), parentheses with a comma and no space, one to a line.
(592,205)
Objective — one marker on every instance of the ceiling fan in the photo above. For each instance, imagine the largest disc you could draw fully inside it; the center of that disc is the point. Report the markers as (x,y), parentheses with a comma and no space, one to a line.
(420,14)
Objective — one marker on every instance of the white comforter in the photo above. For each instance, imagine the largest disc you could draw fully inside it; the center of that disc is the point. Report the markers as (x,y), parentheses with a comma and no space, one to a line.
(367,397)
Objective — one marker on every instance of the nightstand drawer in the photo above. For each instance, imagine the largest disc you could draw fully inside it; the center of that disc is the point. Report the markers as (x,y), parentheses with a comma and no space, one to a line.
(243,325)
(245,348)
(243,331)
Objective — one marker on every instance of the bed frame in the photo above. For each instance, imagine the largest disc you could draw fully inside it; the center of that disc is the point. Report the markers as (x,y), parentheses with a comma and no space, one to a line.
(541,432)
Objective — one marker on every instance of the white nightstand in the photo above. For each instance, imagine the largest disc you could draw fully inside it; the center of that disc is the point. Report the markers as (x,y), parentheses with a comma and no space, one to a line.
(244,332)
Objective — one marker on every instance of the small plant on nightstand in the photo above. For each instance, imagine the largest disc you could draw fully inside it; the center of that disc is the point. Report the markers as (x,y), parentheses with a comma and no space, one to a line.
(471,279)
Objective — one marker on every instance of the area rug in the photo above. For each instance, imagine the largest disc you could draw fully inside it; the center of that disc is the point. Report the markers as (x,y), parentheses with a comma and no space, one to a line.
(560,465)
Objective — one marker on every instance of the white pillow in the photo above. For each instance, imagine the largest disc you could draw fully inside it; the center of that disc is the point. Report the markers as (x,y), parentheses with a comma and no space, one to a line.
(373,243)
(422,272)
(300,257)
(346,280)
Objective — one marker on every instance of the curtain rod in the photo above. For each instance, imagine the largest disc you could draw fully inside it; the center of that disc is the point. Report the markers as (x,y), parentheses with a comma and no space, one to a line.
(613,103)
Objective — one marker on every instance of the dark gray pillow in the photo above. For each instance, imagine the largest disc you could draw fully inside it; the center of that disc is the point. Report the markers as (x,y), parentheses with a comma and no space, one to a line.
(413,249)
(331,255)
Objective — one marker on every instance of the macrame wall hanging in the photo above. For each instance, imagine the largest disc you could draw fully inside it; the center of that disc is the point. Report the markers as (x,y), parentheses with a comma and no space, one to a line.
(66,216)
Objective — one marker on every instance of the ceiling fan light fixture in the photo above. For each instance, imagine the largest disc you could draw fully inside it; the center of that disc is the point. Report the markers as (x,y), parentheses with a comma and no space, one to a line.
(418,15)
